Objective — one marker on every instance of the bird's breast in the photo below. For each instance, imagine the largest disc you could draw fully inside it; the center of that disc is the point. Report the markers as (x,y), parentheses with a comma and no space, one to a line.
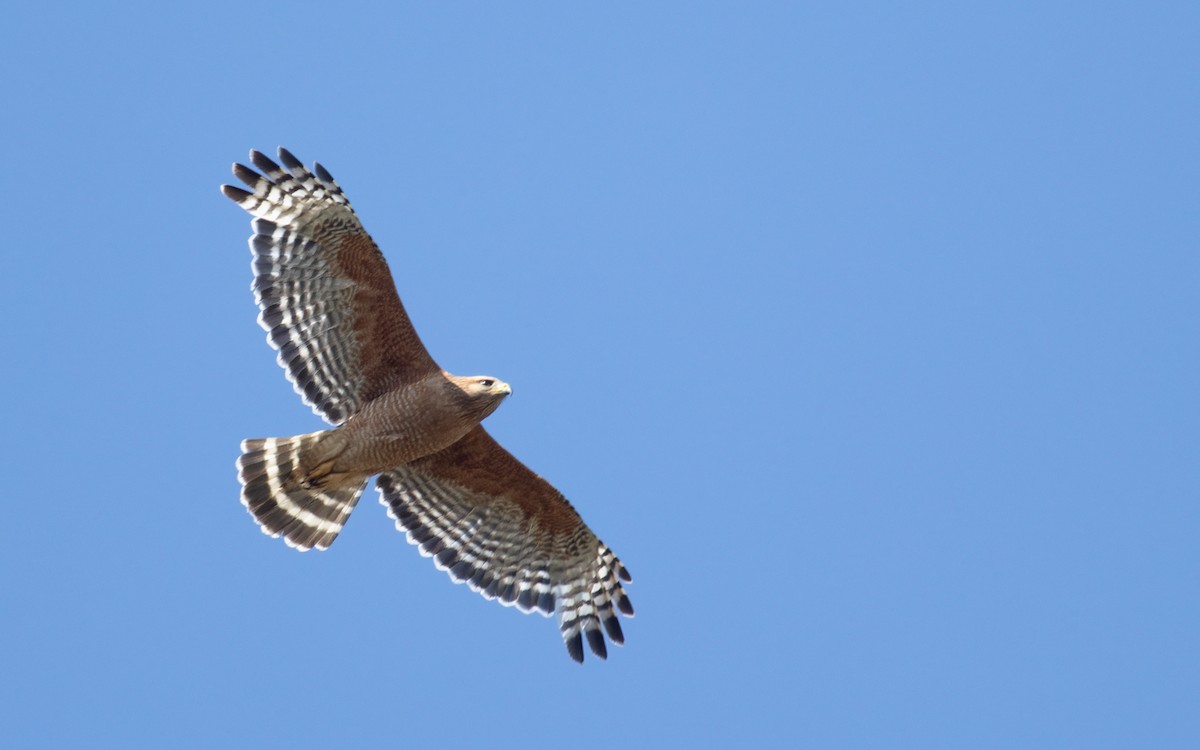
(401,426)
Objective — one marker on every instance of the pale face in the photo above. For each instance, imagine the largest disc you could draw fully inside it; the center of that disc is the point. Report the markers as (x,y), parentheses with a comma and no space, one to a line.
(484,393)
(488,386)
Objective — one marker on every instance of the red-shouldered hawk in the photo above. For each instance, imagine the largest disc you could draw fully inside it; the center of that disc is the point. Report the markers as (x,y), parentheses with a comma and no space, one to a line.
(330,307)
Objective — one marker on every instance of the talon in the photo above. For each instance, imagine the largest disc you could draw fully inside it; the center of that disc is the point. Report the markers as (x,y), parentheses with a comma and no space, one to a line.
(318,476)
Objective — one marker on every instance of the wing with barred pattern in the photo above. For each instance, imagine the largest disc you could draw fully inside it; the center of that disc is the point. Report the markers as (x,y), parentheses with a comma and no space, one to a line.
(327,299)
(493,524)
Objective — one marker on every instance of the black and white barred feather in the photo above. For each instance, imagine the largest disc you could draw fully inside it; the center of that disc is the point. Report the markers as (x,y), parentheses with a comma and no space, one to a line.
(306,305)
(272,490)
(501,552)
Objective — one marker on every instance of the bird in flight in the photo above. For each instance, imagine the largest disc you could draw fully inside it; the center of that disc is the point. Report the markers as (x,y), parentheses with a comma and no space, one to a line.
(330,307)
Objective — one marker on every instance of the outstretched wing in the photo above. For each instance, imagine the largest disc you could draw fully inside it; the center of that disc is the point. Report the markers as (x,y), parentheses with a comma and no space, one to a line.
(328,301)
(492,523)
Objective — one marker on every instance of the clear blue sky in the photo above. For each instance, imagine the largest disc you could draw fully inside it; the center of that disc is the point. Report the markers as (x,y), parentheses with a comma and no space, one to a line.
(866,334)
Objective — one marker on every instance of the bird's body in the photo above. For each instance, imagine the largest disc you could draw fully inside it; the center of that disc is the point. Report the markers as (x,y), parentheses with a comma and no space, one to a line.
(407,423)
(329,306)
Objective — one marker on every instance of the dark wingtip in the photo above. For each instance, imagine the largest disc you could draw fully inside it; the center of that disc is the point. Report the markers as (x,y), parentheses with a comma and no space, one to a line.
(615,634)
(263,162)
(596,641)
(625,605)
(322,172)
(235,194)
(246,174)
(575,647)
(624,574)
(289,160)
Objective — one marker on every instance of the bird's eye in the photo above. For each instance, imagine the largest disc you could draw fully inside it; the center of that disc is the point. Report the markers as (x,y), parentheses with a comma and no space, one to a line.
(486,383)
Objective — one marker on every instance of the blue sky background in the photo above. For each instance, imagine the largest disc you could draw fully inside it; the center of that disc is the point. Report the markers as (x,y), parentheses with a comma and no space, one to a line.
(866,334)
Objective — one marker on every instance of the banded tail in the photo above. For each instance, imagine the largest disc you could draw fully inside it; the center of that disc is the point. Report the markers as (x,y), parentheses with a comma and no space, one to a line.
(276,493)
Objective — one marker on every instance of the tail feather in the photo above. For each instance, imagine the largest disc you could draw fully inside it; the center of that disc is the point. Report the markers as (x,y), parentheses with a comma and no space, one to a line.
(306,517)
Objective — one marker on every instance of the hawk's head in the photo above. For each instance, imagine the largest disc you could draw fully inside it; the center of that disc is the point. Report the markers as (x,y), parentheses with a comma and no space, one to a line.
(483,393)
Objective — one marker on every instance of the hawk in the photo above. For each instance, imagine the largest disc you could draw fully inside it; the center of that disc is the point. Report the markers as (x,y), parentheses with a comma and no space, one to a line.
(330,308)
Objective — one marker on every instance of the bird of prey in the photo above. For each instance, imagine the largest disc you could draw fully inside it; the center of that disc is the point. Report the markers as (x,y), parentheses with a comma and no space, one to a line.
(330,308)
